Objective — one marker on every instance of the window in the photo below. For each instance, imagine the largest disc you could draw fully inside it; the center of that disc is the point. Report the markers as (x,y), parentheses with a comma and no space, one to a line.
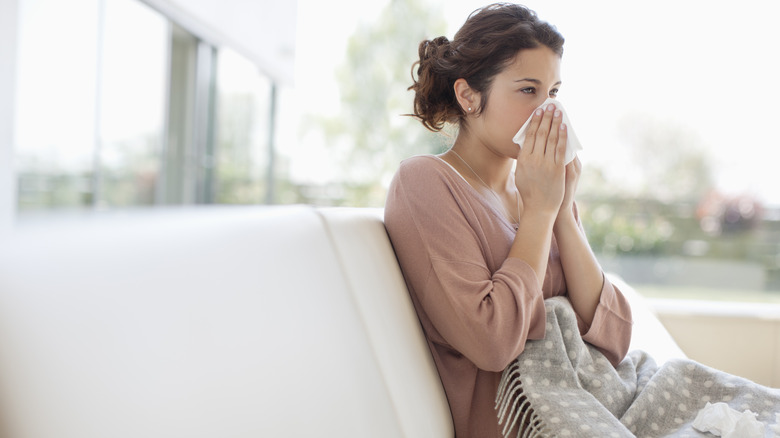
(118,106)
(244,131)
(90,112)
(56,104)
(131,118)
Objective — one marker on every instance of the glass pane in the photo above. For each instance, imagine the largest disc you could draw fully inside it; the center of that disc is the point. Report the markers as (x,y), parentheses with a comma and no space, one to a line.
(132,116)
(55,112)
(90,95)
(243,114)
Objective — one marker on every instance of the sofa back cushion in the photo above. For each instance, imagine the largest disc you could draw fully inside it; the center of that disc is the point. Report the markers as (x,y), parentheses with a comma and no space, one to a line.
(379,292)
(229,322)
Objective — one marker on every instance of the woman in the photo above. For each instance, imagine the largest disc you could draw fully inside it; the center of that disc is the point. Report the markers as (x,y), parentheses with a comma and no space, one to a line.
(481,247)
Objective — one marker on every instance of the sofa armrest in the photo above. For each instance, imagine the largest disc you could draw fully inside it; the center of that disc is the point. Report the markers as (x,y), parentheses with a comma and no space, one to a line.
(649,334)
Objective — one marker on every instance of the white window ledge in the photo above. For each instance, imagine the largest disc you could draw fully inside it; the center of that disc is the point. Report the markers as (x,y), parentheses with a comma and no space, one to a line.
(731,309)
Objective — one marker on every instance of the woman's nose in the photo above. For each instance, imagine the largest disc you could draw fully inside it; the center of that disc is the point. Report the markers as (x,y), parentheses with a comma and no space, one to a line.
(541,100)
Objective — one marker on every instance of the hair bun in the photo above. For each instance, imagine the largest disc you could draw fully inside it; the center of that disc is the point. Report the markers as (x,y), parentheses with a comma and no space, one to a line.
(434,49)
(432,86)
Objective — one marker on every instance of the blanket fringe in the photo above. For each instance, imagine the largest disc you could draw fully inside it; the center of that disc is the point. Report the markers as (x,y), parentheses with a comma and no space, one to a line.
(513,405)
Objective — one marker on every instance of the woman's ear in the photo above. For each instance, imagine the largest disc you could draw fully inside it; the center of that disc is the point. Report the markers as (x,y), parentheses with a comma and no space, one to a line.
(467,97)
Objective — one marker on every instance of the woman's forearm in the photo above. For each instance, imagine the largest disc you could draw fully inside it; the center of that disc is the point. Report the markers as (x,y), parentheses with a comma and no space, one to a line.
(584,276)
(532,242)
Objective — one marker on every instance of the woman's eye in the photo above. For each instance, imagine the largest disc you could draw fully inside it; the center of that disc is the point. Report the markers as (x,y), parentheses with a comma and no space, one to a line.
(554,92)
(529,90)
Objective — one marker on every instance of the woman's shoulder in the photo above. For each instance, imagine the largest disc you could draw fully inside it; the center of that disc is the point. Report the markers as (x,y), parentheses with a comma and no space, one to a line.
(426,180)
(424,167)
(420,162)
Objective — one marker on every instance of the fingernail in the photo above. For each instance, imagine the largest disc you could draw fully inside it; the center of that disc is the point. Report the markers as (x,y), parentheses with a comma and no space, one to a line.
(550,107)
(563,126)
(538,111)
(557,113)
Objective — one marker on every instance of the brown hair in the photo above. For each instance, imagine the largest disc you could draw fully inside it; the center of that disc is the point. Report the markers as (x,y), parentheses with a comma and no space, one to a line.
(486,43)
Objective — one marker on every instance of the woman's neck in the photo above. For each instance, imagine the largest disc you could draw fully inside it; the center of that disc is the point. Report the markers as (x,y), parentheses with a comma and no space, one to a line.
(482,163)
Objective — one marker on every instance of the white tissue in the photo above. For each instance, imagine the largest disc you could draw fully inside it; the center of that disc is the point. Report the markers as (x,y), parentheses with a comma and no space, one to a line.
(720,420)
(716,419)
(747,427)
(572,144)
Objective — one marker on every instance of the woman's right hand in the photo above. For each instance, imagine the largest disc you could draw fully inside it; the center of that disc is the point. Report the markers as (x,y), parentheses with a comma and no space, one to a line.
(541,175)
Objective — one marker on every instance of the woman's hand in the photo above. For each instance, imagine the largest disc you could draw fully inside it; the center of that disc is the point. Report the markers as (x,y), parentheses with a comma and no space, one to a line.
(573,172)
(541,177)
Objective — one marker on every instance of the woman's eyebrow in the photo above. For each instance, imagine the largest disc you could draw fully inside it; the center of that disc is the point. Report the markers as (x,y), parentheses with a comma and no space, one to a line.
(535,81)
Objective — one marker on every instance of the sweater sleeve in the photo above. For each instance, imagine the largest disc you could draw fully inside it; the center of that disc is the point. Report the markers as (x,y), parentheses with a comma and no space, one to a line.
(486,316)
(610,330)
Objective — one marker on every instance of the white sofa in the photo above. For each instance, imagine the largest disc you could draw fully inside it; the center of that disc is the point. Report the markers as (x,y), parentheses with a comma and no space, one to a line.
(280,321)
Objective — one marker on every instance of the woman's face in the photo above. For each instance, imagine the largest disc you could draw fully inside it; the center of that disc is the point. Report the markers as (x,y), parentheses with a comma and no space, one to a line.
(533,76)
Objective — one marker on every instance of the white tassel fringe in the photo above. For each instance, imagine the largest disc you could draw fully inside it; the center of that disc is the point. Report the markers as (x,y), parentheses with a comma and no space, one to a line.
(513,404)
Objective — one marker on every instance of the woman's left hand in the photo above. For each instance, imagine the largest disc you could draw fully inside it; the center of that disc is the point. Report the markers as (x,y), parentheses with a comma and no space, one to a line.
(573,171)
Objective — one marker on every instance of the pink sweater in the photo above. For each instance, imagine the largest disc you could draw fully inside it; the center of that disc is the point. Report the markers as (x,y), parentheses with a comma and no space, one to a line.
(477,306)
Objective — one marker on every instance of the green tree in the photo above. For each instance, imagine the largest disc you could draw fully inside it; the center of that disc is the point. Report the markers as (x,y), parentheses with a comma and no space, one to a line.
(372,134)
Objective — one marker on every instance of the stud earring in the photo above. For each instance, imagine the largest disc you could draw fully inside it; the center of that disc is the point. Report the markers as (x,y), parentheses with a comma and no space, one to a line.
(469,109)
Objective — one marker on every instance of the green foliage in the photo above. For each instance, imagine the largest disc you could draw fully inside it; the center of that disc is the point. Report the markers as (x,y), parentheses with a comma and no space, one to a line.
(237,184)
(657,214)
(128,177)
(47,189)
(623,226)
(372,134)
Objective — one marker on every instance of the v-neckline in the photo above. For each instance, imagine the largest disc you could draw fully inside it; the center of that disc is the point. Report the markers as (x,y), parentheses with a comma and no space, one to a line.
(479,195)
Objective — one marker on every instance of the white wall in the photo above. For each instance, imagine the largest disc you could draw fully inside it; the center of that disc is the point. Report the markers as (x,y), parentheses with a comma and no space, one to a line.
(9,17)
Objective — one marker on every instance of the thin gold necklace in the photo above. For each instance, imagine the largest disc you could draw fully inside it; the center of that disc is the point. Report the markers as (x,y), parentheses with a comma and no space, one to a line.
(501,203)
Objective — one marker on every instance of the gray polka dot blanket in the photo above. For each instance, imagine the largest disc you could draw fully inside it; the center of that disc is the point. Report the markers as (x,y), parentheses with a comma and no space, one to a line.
(561,386)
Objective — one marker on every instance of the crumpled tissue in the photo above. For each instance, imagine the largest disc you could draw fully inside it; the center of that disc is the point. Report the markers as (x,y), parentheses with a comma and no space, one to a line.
(572,143)
(721,420)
